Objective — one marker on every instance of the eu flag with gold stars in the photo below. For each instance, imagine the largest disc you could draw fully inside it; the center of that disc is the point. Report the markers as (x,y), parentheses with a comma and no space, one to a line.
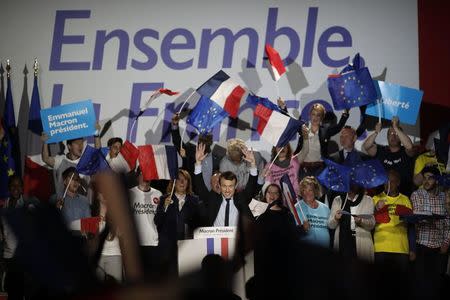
(353,87)
(205,115)
(368,174)
(335,177)
(9,159)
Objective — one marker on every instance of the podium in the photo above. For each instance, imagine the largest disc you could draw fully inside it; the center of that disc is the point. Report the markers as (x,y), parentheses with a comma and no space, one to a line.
(214,240)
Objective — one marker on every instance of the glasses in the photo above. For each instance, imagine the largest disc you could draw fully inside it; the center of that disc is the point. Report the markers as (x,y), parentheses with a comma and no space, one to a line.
(273,193)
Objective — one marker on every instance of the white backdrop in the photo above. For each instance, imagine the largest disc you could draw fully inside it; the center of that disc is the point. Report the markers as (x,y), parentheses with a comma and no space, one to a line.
(384,32)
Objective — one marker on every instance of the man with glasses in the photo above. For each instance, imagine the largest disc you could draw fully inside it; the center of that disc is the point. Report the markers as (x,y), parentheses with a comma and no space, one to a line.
(433,234)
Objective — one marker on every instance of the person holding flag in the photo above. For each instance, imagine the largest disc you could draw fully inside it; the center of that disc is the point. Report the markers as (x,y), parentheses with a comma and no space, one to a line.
(284,162)
(397,155)
(73,205)
(187,152)
(352,218)
(313,213)
(59,163)
(392,243)
(318,137)
(178,213)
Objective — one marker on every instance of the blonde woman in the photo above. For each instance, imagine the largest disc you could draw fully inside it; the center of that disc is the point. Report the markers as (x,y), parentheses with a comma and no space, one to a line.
(313,213)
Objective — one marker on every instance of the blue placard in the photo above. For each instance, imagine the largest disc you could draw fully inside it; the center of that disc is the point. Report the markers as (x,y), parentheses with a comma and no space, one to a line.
(397,100)
(69,121)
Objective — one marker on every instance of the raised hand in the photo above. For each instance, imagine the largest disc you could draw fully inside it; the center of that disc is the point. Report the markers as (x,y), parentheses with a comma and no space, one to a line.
(395,122)
(175,119)
(281,103)
(200,153)
(305,131)
(249,156)
(44,137)
(378,127)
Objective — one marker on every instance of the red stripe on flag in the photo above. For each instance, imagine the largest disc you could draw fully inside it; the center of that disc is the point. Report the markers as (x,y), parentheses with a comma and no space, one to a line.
(224,246)
(147,162)
(90,225)
(233,101)
(37,180)
(168,92)
(264,114)
(130,153)
(275,60)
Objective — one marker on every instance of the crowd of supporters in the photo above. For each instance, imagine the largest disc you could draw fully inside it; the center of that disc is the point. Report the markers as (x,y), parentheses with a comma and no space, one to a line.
(210,189)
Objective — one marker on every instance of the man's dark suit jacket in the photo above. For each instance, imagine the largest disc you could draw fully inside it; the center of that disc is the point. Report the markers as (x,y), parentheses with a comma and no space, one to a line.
(212,200)
(338,157)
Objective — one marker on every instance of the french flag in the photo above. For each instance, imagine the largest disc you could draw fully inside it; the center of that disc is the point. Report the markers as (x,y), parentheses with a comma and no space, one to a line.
(289,197)
(158,162)
(37,176)
(276,63)
(224,91)
(126,159)
(86,225)
(218,246)
(275,127)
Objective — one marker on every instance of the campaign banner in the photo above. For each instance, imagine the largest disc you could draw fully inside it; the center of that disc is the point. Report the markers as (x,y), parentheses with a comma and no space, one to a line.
(396,100)
(70,121)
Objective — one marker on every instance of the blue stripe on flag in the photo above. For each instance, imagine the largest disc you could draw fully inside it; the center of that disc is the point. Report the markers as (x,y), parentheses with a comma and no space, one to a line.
(210,246)
(172,161)
(289,132)
(211,85)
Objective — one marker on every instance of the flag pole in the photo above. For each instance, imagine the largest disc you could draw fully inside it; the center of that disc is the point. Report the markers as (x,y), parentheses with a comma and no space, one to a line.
(379,110)
(67,187)
(184,103)
(273,161)
(171,194)
(36,67)
(181,139)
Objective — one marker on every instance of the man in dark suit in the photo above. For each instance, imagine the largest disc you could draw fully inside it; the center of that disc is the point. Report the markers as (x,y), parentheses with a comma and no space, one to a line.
(348,154)
(187,151)
(223,209)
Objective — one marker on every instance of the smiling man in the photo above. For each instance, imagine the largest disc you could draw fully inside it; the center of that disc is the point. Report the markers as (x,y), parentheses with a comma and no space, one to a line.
(223,209)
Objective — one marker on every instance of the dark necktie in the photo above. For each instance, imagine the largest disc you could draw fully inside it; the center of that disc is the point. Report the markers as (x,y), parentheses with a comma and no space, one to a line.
(227,212)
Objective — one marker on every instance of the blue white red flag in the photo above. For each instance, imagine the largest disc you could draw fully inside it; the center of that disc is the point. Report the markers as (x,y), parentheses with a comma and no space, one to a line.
(224,91)
(158,162)
(289,197)
(276,63)
(275,127)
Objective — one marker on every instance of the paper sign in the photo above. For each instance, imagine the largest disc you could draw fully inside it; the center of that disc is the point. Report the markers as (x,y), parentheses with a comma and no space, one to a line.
(69,121)
(257,207)
(396,100)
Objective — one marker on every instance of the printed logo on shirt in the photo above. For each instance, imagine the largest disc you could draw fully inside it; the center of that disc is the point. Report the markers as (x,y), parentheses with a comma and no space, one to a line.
(144,208)
(317,222)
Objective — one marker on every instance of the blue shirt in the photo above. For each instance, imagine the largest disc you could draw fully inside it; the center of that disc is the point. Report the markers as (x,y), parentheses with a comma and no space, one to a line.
(318,233)
(74,208)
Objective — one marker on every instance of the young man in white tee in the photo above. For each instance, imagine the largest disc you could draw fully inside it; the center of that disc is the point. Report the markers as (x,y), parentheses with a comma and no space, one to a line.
(144,201)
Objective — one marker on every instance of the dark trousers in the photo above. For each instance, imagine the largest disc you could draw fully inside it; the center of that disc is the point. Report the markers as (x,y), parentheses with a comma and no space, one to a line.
(151,261)
(14,280)
(430,267)
(397,261)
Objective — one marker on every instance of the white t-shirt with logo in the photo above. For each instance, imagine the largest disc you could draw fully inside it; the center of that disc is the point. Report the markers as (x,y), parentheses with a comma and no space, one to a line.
(143,205)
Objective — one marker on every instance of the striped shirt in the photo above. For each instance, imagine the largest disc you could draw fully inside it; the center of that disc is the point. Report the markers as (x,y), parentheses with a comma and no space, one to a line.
(436,232)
